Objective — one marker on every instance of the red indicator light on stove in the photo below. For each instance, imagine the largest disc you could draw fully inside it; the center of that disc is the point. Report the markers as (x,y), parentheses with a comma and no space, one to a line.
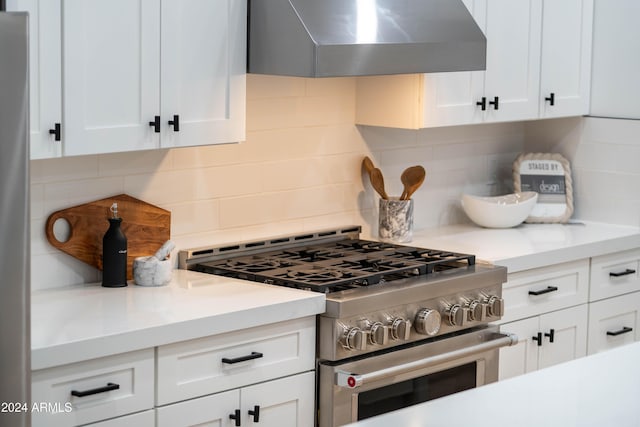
(351,382)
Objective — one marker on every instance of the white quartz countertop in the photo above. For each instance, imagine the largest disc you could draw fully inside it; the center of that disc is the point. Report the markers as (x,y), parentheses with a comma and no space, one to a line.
(531,245)
(598,390)
(83,322)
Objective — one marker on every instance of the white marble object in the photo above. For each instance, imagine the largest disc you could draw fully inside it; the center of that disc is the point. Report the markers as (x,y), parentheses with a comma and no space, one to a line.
(395,220)
(150,271)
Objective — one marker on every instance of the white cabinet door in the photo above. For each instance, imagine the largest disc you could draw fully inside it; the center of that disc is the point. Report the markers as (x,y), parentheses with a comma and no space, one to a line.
(565,76)
(203,72)
(616,63)
(544,341)
(450,98)
(211,410)
(522,357)
(111,75)
(513,59)
(287,402)
(508,88)
(614,322)
(45,80)
(568,328)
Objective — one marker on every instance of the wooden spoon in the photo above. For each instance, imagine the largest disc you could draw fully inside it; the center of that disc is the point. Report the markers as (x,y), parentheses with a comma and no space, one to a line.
(412,178)
(367,164)
(377,181)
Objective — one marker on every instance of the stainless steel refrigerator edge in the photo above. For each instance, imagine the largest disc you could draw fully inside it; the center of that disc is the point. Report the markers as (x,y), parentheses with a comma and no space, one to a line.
(15,288)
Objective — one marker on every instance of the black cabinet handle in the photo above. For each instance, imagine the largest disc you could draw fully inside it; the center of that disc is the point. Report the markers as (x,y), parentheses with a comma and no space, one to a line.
(56,131)
(551,334)
(255,413)
(482,103)
(551,98)
(624,330)
(622,273)
(544,291)
(538,338)
(108,387)
(235,416)
(253,355)
(155,124)
(175,123)
(495,102)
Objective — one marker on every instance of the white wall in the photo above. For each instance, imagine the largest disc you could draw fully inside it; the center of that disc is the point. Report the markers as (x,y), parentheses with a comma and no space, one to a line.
(299,169)
(605,160)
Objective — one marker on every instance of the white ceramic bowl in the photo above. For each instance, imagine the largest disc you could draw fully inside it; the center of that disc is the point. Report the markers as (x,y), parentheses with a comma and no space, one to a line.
(499,211)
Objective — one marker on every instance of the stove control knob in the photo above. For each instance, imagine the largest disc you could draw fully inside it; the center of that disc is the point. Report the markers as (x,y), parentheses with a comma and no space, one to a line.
(378,333)
(477,311)
(354,339)
(400,329)
(456,315)
(427,322)
(495,306)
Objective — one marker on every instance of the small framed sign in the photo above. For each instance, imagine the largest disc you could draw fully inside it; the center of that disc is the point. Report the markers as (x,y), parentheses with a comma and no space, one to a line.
(549,175)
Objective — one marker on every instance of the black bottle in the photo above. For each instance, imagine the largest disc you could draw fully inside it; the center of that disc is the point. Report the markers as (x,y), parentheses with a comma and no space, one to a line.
(114,253)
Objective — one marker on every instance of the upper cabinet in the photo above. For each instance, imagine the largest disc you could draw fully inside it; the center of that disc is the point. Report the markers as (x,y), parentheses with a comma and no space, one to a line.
(45,82)
(565,74)
(538,62)
(616,59)
(141,74)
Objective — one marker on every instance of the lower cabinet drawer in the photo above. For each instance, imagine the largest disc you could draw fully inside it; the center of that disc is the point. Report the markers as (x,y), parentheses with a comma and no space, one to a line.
(613,322)
(98,389)
(209,365)
(541,290)
(615,274)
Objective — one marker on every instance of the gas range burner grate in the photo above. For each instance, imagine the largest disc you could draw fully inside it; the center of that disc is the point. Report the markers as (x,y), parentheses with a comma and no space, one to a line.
(338,265)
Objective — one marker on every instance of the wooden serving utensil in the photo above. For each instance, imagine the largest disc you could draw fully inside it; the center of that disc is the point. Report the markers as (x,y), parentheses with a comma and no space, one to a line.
(375,176)
(412,178)
(367,164)
(377,181)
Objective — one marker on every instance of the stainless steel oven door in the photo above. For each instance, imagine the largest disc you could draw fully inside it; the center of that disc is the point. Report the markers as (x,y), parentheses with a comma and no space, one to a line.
(358,389)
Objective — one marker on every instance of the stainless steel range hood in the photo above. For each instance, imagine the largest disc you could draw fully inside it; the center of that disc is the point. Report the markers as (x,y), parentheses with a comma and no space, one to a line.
(330,38)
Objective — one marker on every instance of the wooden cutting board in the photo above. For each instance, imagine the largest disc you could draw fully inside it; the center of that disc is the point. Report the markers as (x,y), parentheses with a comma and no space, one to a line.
(146,227)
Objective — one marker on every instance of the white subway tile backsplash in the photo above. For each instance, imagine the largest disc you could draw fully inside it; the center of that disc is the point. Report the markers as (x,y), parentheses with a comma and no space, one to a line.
(163,188)
(64,194)
(264,86)
(133,163)
(64,169)
(59,269)
(613,131)
(194,217)
(225,181)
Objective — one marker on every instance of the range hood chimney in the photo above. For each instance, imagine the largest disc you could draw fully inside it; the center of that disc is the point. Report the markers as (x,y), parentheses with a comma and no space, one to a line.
(331,38)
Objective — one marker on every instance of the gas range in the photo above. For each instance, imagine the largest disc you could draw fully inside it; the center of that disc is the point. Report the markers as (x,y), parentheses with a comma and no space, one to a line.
(378,295)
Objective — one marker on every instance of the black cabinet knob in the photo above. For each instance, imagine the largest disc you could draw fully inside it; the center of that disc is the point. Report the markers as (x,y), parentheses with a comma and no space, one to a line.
(538,338)
(175,123)
(255,413)
(551,334)
(551,99)
(482,103)
(495,102)
(56,131)
(155,124)
(235,416)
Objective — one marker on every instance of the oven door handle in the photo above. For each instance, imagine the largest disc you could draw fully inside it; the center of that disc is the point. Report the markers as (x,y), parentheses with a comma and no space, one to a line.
(353,380)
